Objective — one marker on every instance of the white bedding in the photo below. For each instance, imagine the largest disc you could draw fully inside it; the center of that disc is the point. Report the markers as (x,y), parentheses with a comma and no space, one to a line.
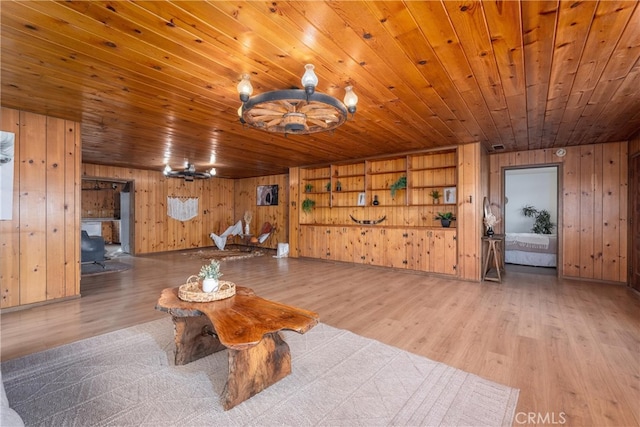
(539,250)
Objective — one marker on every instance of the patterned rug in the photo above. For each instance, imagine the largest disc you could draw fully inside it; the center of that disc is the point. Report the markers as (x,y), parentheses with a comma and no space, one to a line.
(226,255)
(109,267)
(128,378)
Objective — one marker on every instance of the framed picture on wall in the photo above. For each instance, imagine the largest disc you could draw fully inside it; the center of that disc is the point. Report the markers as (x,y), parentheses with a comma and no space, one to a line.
(450,195)
(361,199)
(267,195)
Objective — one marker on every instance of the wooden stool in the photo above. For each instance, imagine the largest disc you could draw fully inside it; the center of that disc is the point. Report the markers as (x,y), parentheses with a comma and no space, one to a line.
(493,256)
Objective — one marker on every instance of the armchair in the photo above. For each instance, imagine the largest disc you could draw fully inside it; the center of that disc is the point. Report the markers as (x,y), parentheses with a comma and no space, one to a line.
(92,249)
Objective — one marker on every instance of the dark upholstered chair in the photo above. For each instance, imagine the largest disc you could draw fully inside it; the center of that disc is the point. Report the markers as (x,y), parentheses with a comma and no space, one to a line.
(92,248)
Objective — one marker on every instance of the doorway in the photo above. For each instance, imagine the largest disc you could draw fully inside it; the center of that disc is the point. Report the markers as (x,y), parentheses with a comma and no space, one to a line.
(531,218)
(107,212)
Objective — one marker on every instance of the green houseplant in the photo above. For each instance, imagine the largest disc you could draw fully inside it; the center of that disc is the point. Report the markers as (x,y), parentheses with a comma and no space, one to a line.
(542,223)
(328,186)
(399,184)
(210,275)
(308,188)
(308,204)
(445,218)
(435,195)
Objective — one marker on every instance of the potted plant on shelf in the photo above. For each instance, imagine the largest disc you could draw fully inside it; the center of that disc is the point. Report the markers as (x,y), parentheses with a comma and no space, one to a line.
(435,195)
(308,188)
(399,184)
(338,186)
(210,275)
(445,218)
(308,204)
(328,186)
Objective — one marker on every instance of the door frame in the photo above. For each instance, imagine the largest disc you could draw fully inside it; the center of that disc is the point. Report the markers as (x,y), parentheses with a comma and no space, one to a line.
(131,185)
(559,204)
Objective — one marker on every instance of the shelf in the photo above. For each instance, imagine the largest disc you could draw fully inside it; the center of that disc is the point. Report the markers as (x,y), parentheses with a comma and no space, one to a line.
(418,187)
(328,178)
(431,168)
(355,175)
(387,172)
(348,191)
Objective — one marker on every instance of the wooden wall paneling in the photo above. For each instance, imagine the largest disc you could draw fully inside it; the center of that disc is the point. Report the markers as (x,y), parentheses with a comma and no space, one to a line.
(592,213)
(394,243)
(10,230)
(587,208)
(245,199)
(33,239)
(623,226)
(469,208)
(611,213)
(294,212)
(571,190)
(73,170)
(599,227)
(55,200)
(142,229)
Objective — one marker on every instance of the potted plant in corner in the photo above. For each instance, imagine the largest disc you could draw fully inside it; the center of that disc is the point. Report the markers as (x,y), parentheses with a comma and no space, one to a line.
(210,275)
(445,218)
(435,195)
(308,204)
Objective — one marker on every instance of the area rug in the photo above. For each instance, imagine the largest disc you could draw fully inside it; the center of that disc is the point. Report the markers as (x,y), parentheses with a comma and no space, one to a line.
(226,255)
(127,378)
(109,267)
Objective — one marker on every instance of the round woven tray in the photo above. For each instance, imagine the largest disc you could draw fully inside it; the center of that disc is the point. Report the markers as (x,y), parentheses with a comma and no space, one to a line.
(192,291)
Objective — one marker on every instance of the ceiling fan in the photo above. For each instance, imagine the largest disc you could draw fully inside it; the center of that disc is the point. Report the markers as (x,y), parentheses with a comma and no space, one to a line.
(294,115)
(189,173)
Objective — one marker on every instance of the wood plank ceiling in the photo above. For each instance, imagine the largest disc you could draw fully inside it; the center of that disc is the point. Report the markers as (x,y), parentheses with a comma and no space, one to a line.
(155,82)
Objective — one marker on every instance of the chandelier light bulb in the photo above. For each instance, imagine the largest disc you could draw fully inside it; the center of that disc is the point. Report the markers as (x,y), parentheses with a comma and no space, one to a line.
(350,99)
(309,79)
(244,88)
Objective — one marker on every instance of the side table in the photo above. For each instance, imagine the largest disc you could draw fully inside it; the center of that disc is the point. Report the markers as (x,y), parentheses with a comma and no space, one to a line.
(493,259)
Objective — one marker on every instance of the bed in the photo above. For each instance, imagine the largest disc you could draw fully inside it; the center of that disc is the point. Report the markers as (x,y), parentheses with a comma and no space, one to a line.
(539,250)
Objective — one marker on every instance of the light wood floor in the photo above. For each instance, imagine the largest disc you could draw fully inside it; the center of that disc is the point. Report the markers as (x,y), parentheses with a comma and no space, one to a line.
(571,347)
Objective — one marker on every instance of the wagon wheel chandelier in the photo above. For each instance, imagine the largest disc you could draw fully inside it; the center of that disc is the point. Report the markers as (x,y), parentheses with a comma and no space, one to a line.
(294,111)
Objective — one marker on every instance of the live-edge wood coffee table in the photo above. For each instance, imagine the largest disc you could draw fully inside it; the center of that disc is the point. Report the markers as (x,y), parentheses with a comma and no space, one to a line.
(247,326)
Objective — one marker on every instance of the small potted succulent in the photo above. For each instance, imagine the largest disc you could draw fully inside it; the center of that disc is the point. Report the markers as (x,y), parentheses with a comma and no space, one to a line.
(435,195)
(210,275)
(445,218)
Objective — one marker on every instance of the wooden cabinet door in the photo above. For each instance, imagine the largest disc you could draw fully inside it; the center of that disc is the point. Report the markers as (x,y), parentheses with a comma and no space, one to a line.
(394,248)
(417,249)
(313,242)
(443,252)
(338,239)
(374,245)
